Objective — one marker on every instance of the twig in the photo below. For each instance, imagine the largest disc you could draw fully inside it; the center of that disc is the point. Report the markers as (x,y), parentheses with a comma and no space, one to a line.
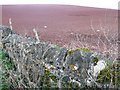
(36,35)
(10,23)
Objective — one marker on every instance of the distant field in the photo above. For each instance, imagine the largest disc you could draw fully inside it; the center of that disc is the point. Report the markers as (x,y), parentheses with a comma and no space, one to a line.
(60,23)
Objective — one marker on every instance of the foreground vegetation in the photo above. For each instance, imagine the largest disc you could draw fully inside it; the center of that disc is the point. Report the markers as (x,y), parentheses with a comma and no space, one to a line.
(27,63)
(107,76)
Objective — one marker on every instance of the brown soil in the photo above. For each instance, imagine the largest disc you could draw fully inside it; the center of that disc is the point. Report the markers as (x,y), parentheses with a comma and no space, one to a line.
(63,21)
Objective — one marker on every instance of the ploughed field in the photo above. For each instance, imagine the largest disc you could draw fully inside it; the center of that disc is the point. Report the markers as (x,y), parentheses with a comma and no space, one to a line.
(62,24)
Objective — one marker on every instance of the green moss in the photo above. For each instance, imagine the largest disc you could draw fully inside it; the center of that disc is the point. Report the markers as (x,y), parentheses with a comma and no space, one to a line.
(110,73)
(80,49)
(66,84)
(95,60)
(104,76)
(70,51)
(46,79)
(53,77)
(84,49)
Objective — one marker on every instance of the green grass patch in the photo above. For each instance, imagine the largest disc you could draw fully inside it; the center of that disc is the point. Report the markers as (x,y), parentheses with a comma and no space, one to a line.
(5,65)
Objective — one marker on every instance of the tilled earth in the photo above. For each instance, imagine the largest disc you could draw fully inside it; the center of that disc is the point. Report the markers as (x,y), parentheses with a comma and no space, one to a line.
(62,24)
